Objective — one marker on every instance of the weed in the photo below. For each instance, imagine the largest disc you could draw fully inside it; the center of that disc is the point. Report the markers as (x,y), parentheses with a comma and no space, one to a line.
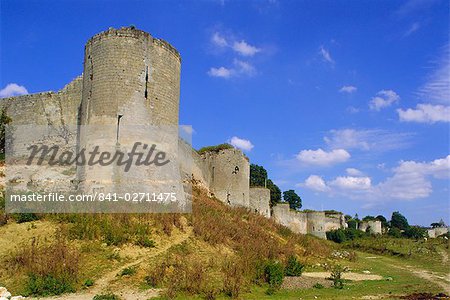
(293,267)
(108,296)
(129,271)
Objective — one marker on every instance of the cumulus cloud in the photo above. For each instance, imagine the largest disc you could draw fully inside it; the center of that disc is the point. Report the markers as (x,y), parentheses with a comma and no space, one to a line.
(325,54)
(321,157)
(425,113)
(315,183)
(352,183)
(349,89)
(221,72)
(242,144)
(409,180)
(218,40)
(245,49)
(383,99)
(367,139)
(353,172)
(13,89)
(239,69)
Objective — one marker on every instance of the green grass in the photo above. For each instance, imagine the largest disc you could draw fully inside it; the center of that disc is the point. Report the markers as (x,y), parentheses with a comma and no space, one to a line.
(403,282)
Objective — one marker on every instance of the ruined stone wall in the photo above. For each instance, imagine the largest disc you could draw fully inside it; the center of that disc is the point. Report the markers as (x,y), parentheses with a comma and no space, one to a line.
(228,176)
(435,232)
(260,200)
(296,221)
(316,223)
(334,221)
(371,226)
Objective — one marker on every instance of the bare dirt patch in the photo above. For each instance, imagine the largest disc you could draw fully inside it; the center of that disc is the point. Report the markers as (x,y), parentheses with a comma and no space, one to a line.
(348,275)
(301,282)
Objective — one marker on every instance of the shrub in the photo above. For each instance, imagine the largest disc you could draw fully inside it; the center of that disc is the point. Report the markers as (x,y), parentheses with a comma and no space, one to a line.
(337,235)
(318,286)
(415,232)
(128,271)
(51,269)
(274,276)
(25,217)
(216,148)
(395,232)
(336,276)
(106,297)
(145,242)
(293,267)
(88,282)
(233,277)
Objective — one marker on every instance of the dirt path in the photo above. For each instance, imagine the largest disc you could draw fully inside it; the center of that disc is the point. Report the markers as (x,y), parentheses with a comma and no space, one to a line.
(442,281)
(103,284)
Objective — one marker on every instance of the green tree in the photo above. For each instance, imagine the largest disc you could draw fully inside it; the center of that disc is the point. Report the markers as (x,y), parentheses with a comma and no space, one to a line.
(369,218)
(399,221)
(352,223)
(415,232)
(4,120)
(295,202)
(275,193)
(258,175)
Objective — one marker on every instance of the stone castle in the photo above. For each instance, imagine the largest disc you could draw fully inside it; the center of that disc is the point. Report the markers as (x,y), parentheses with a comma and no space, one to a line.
(132,78)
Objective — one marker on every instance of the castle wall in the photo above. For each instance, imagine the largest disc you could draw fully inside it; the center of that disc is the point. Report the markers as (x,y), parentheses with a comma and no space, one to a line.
(334,221)
(229,176)
(316,223)
(296,221)
(372,226)
(435,232)
(260,200)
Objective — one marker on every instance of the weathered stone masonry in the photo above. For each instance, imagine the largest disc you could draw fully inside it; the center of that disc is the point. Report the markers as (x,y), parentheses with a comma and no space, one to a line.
(132,78)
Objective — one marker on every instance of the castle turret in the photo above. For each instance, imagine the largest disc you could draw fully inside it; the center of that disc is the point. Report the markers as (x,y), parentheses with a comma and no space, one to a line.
(131,84)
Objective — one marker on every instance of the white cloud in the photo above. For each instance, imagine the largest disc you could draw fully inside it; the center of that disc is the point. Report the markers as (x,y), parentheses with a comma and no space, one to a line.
(368,139)
(326,56)
(242,144)
(220,72)
(348,89)
(218,40)
(410,180)
(384,98)
(351,183)
(352,109)
(245,49)
(425,113)
(240,69)
(321,157)
(13,89)
(315,183)
(353,172)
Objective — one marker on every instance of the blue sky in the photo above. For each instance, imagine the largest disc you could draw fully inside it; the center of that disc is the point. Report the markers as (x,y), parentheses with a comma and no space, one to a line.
(347,102)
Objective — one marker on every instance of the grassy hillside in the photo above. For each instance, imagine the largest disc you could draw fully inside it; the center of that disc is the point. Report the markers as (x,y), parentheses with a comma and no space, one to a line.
(215,250)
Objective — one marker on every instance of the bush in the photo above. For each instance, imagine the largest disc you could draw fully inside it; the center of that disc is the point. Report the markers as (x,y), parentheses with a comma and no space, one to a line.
(51,269)
(106,297)
(25,217)
(128,271)
(395,232)
(342,235)
(318,286)
(415,232)
(88,282)
(46,285)
(216,148)
(274,273)
(293,267)
(145,242)
(233,277)
(336,276)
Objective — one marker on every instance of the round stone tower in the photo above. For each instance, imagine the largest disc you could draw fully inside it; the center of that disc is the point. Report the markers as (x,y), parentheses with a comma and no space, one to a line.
(130,78)
(130,94)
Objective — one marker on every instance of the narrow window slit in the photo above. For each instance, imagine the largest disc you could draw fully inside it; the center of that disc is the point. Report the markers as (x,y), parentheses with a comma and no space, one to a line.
(118,127)
(146,82)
